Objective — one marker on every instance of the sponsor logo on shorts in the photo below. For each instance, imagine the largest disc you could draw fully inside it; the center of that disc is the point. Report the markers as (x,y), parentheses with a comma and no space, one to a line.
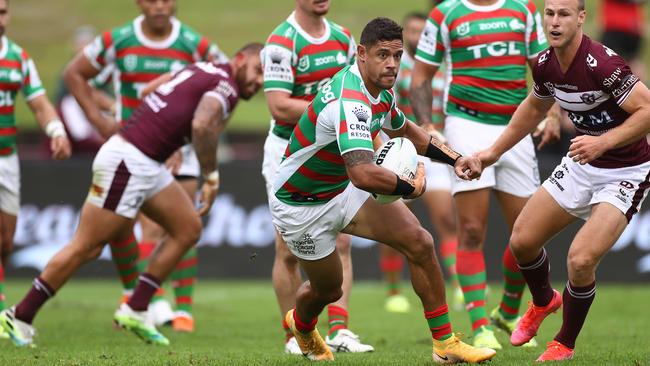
(305,245)
(625,191)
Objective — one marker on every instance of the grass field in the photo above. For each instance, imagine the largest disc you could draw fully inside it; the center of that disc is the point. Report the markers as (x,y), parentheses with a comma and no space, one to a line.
(44,28)
(238,324)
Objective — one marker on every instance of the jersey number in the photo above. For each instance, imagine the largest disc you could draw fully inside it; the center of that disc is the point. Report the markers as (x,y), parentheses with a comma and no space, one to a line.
(155,102)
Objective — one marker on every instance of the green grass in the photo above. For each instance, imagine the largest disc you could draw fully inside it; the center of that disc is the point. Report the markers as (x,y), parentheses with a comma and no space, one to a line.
(238,324)
(44,28)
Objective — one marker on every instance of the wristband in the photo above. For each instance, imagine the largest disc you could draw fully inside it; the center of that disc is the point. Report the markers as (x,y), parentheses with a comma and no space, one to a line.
(442,153)
(403,188)
(55,128)
(212,179)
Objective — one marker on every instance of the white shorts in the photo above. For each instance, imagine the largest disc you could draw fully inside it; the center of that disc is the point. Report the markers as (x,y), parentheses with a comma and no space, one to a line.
(124,177)
(274,148)
(576,188)
(10,184)
(190,166)
(515,173)
(438,175)
(310,230)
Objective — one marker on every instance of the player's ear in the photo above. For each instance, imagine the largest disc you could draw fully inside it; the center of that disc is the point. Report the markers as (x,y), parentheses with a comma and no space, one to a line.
(361,52)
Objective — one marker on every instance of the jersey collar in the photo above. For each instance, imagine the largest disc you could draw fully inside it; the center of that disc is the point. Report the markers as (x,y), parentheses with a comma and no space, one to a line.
(4,47)
(354,69)
(165,43)
(292,20)
(483,8)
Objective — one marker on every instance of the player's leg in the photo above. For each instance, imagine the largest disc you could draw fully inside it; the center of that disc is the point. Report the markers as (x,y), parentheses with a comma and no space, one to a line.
(286,281)
(593,241)
(391,264)
(506,315)
(184,276)
(7,230)
(395,225)
(339,338)
(9,208)
(472,211)
(541,219)
(96,227)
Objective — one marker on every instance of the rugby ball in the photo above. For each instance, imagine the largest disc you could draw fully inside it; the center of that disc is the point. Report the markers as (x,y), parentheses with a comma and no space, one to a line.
(400,157)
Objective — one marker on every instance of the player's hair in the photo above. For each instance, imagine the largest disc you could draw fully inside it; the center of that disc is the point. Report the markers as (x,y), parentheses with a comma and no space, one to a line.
(380,29)
(251,48)
(414,15)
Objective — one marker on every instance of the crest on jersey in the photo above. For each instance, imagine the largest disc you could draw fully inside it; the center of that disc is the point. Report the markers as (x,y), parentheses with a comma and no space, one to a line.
(303,63)
(340,58)
(516,25)
(361,114)
(588,98)
(591,61)
(463,29)
(130,62)
(550,87)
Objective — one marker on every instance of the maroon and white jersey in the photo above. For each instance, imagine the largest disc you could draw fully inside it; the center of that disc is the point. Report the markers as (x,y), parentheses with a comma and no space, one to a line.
(163,121)
(592,91)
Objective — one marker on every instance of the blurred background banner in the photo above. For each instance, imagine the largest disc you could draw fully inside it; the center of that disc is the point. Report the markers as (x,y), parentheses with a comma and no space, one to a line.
(237,240)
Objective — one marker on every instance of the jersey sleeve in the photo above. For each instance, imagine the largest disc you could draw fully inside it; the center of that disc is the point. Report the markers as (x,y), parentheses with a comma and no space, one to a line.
(540,88)
(351,120)
(352,51)
(277,60)
(536,40)
(101,52)
(32,86)
(226,94)
(209,51)
(614,75)
(431,46)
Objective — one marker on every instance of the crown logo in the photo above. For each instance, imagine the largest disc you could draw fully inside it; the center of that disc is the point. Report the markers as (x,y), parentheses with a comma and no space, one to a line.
(362,114)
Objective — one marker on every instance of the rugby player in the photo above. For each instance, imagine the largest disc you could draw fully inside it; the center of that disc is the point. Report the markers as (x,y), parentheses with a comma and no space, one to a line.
(323,187)
(602,180)
(129,175)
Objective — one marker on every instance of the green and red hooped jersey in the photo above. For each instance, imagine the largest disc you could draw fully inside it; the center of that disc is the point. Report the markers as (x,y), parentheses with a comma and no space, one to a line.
(403,85)
(17,72)
(136,60)
(486,49)
(299,64)
(342,117)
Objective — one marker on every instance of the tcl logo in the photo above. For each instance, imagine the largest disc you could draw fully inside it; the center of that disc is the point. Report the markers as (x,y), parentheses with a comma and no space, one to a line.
(495,49)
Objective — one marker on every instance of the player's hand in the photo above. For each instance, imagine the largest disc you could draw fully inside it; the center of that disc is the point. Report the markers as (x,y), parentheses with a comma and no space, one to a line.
(548,130)
(585,149)
(60,147)
(468,167)
(419,182)
(174,162)
(209,192)
(432,131)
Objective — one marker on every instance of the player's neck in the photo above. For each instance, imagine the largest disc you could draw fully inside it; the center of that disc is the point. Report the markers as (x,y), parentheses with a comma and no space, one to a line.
(565,55)
(157,34)
(483,2)
(312,24)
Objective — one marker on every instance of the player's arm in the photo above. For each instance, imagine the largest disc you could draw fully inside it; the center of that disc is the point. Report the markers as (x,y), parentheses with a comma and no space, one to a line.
(76,76)
(548,130)
(366,175)
(283,107)
(587,148)
(49,121)
(207,124)
(155,83)
(528,115)
(421,92)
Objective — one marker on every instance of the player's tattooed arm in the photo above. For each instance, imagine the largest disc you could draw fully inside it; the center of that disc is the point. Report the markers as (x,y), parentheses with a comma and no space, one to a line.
(357,157)
(207,125)
(421,91)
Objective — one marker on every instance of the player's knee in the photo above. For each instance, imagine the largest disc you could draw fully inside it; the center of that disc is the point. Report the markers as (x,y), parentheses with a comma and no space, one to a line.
(93,253)
(419,246)
(471,234)
(191,232)
(581,263)
(331,295)
(343,244)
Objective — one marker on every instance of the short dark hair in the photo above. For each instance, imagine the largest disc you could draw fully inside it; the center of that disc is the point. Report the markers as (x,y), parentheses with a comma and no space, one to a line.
(252,47)
(380,29)
(414,15)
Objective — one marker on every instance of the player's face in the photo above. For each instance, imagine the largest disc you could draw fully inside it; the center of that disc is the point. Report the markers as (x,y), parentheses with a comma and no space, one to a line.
(412,30)
(4,16)
(562,20)
(250,75)
(381,62)
(315,7)
(157,13)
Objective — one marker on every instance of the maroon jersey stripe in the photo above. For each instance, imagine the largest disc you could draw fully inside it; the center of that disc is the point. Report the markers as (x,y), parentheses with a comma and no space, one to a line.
(118,185)
(638,195)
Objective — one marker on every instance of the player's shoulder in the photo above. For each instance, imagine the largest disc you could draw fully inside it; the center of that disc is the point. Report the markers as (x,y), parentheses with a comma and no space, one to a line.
(189,35)
(283,35)
(526,6)
(600,60)
(447,10)
(14,50)
(119,34)
(339,30)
